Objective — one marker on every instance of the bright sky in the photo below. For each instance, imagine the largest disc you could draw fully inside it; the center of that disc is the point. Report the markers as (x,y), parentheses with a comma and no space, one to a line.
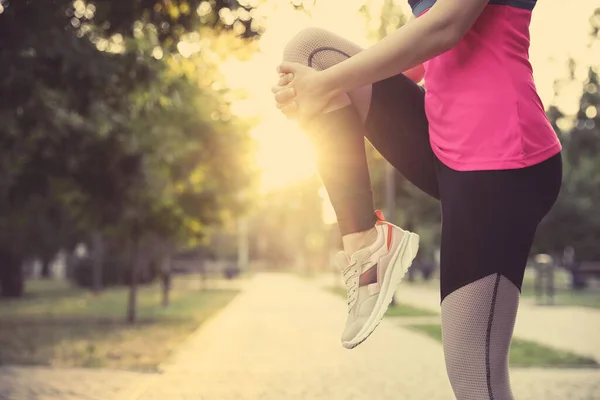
(557,33)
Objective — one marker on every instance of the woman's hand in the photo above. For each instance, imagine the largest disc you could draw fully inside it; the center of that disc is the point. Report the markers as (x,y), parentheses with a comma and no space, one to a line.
(301,92)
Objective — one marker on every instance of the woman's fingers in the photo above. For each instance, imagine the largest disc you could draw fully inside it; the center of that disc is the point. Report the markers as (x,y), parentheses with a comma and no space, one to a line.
(288,67)
(277,88)
(285,79)
(285,95)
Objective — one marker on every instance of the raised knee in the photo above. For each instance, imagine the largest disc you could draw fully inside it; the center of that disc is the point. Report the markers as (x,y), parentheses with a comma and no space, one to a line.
(303,44)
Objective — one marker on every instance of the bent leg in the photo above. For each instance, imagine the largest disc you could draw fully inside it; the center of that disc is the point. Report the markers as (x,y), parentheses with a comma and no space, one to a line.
(390,114)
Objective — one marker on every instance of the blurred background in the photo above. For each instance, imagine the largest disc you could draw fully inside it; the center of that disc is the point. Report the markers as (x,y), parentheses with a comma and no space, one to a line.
(148,180)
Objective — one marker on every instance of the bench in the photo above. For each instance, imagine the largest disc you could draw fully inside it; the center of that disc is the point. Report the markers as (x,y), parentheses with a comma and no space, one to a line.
(543,285)
(582,271)
(545,267)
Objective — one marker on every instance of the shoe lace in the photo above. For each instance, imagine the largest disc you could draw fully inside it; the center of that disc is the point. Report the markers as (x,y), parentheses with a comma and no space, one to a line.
(351,274)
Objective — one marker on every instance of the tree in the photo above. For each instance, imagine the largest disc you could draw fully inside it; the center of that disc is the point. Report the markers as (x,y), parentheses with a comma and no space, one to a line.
(88,138)
(575,218)
(287,228)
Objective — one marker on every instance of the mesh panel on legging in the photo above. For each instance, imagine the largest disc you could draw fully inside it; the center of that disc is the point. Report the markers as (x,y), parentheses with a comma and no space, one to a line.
(319,48)
(477,325)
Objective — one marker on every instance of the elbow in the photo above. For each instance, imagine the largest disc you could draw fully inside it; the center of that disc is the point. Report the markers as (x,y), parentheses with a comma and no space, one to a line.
(456,33)
(450,34)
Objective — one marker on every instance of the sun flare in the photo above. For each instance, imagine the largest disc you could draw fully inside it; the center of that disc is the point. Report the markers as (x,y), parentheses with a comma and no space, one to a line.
(285,155)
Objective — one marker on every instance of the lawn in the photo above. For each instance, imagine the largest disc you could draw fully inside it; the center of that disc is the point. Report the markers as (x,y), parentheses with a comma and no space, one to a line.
(565,296)
(58,325)
(396,310)
(524,353)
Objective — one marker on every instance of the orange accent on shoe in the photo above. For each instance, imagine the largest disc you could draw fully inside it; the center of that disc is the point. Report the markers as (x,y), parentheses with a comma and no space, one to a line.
(380,221)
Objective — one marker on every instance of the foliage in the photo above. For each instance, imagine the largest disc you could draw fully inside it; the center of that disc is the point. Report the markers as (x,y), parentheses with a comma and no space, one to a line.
(288,228)
(107,127)
(575,218)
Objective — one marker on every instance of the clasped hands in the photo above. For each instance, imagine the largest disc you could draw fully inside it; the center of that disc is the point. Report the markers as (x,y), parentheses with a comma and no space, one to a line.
(301,92)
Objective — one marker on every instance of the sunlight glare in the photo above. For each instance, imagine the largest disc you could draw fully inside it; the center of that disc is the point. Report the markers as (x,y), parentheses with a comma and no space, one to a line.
(285,155)
(328,213)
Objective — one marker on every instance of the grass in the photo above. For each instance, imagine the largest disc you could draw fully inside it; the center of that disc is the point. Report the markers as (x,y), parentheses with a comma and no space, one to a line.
(565,296)
(525,353)
(397,310)
(582,298)
(62,326)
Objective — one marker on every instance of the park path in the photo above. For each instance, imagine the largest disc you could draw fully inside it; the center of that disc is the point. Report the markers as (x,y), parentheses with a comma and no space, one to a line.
(279,339)
(576,329)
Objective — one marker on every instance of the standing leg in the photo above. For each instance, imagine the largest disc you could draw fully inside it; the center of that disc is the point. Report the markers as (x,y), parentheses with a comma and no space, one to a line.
(489,220)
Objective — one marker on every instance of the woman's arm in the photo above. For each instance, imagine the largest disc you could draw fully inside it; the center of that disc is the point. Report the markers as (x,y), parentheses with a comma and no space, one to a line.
(430,35)
(416,73)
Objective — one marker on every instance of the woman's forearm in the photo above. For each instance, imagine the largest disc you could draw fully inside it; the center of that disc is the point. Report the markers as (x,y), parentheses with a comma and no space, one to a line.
(409,46)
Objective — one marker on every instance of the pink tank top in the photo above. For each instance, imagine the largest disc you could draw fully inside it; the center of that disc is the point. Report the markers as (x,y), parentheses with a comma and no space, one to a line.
(483,109)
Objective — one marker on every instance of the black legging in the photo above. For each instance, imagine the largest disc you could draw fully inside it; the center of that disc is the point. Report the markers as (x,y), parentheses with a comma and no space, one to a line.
(489,218)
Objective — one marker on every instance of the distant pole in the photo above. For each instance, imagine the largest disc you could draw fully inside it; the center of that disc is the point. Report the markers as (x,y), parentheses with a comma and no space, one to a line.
(390,200)
(97,261)
(243,244)
(134,275)
(390,193)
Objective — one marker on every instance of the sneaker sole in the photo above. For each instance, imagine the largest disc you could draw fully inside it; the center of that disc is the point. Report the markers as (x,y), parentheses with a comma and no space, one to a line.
(400,264)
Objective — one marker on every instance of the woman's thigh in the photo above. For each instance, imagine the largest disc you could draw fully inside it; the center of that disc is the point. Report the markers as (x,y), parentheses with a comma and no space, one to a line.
(397,127)
(489,219)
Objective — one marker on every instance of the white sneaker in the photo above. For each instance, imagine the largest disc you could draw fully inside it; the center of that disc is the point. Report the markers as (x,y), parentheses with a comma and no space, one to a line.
(372,276)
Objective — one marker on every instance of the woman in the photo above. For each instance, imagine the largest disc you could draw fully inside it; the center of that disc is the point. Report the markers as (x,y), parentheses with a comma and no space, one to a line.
(476,138)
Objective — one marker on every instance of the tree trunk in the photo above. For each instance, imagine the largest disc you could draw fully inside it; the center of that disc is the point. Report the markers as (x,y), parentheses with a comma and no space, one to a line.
(202,271)
(133,282)
(70,261)
(97,262)
(46,264)
(11,275)
(243,244)
(166,278)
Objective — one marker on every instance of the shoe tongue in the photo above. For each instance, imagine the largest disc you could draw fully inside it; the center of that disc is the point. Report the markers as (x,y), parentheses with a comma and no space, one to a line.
(341,260)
